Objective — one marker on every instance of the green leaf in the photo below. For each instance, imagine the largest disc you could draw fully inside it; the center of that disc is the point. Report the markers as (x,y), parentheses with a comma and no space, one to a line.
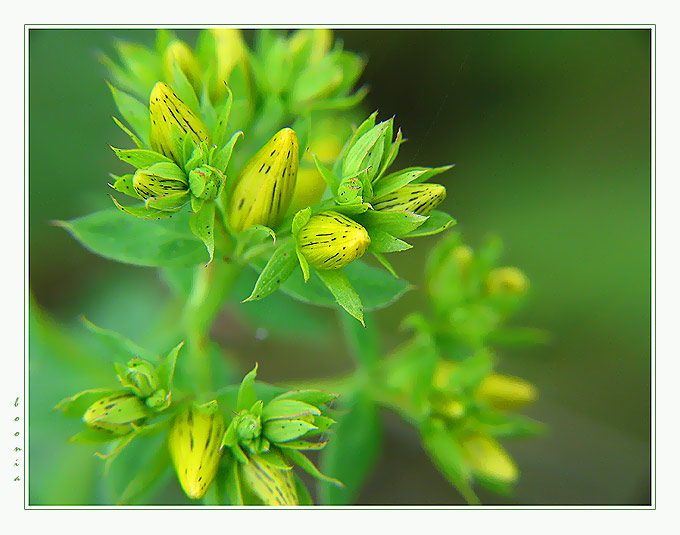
(118,344)
(134,112)
(285,430)
(91,436)
(149,476)
(385,263)
(222,119)
(124,185)
(329,176)
(222,157)
(144,211)
(443,448)
(184,90)
(430,172)
(76,405)
(352,453)
(114,235)
(312,397)
(140,158)
(288,409)
(376,287)
(202,224)
(129,132)
(437,221)
(166,370)
(279,267)
(337,282)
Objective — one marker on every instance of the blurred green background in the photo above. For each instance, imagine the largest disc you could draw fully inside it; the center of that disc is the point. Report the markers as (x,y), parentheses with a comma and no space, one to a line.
(550,134)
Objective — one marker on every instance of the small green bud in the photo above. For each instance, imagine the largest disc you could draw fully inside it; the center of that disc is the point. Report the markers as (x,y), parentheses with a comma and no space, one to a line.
(331,240)
(171,121)
(248,427)
(140,378)
(180,53)
(159,400)
(158,180)
(116,414)
(195,441)
(506,281)
(264,187)
(205,182)
(349,191)
(272,485)
(506,392)
(418,198)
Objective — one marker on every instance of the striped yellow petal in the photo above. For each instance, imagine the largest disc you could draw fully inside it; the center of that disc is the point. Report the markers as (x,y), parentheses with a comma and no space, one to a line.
(418,198)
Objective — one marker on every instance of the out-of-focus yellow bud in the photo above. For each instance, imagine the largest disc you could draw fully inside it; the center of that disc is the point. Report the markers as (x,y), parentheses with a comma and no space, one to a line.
(418,198)
(442,374)
(272,485)
(506,392)
(194,441)
(331,240)
(171,121)
(230,49)
(116,414)
(264,186)
(506,280)
(487,458)
(321,40)
(179,52)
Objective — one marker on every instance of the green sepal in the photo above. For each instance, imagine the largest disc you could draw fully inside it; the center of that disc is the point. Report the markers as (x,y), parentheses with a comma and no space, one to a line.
(303,462)
(75,405)
(221,157)
(246,392)
(134,112)
(196,203)
(384,242)
(367,152)
(437,221)
(202,224)
(123,184)
(197,157)
(313,397)
(143,212)
(185,90)
(140,158)
(385,263)
(222,119)
(323,423)
(300,219)
(279,267)
(129,132)
(447,456)
(168,203)
(233,484)
(288,409)
(284,430)
(166,369)
(397,223)
(304,265)
(337,282)
(396,180)
(303,445)
(393,151)
(92,436)
(352,209)
(329,176)
(429,172)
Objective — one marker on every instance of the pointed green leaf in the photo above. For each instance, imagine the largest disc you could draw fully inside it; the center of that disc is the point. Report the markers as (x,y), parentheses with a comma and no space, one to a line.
(134,112)
(130,133)
(279,267)
(203,226)
(385,264)
(303,462)
(437,221)
(143,212)
(246,392)
(140,158)
(124,185)
(337,282)
(384,242)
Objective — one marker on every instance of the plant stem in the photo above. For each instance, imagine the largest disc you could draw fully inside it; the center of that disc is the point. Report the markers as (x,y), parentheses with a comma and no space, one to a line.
(210,287)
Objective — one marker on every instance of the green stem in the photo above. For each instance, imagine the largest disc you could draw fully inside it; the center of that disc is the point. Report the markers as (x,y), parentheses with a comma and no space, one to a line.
(210,287)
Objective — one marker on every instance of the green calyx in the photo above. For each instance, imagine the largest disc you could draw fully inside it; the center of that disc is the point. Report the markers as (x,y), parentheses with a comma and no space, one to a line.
(140,378)
(117,414)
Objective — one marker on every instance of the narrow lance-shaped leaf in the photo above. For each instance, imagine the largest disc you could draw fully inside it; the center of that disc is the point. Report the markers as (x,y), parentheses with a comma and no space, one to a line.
(203,226)
(337,282)
(276,272)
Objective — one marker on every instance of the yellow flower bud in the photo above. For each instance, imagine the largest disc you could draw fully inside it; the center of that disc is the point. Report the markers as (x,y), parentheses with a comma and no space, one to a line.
(195,440)
(264,186)
(271,485)
(506,392)
(331,240)
(171,121)
(230,49)
(487,458)
(506,280)
(179,52)
(159,179)
(418,198)
(116,414)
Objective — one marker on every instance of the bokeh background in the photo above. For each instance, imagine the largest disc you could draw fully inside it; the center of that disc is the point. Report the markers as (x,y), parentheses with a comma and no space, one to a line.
(550,133)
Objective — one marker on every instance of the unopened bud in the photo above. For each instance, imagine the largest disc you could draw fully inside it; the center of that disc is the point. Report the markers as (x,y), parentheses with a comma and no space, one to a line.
(159,179)
(487,458)
(178,52)
(116,414)
(171,121)
(417,198)
(506,392)
(264,187)
(205,182)
(140,377)
(506,281)
(271,485)
(331,240)
(195,440)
